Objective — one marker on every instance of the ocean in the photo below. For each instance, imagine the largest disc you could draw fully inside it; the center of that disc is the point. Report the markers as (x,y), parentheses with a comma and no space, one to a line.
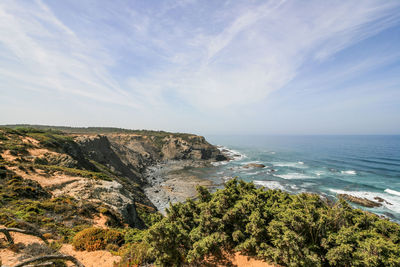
(362,166)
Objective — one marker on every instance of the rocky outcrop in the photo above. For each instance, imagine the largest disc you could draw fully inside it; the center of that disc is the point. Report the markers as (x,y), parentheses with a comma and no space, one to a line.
(254,165)
(109,193)
(129,156)
(98,148)
(360,201)
(192,147)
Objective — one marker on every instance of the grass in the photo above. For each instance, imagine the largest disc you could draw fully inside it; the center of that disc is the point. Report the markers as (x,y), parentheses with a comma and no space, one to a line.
(24,202)
(74,172)
(54,140)
(10,140)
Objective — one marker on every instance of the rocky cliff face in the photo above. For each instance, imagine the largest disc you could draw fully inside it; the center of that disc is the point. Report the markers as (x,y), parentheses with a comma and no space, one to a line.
(129,154)
(108,169)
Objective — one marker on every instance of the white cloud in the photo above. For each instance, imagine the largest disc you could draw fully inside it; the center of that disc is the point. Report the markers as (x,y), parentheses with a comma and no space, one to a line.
(210,57)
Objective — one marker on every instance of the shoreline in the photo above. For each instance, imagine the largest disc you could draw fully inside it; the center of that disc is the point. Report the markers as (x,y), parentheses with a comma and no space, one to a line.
(176,180)
(172,181)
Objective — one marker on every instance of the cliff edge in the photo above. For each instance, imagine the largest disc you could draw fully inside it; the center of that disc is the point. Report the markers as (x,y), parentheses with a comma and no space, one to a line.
(106,169)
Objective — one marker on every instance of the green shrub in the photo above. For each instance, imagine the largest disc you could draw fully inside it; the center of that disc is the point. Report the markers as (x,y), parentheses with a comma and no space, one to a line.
(290,230)
(134,235)
(40,161)
(135,254)
(16,187)
(148,215)
(17,150)
(92,239)
(3,137)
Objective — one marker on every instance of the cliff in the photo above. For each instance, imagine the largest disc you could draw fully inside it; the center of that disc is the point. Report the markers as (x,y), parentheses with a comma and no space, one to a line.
(106,170)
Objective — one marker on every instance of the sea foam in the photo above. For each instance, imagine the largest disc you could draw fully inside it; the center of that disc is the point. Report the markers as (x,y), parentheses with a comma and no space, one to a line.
(293,175)
(299,164)
(233,154)
(349,172)
(393,201)
(393,192)
(270,184)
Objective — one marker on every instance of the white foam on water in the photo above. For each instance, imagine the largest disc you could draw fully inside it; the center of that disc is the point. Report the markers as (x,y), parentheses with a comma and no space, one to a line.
(349,172)
(299,164)
(393,200)
(227,178)
(293,175)
(269,184)
(252,173)
(392,192)
(319,173)
(233,154)
(308,184)
(219,163)
(276,185)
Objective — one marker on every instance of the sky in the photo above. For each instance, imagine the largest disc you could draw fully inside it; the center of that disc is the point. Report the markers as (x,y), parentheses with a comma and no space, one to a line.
(206,67)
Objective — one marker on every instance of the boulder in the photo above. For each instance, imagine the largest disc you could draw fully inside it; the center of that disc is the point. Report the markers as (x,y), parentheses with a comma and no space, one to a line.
(254,165)
(381,200)
(360,201)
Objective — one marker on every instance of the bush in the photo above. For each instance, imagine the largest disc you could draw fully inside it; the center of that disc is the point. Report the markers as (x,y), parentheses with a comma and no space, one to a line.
(15,187)
(134,235)
(148,215)
(92,239)
(40,161)
(290,230)
(17,150)
(3,137)
(136,254)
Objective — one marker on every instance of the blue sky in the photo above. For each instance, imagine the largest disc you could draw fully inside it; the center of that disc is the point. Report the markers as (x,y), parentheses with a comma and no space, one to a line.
(208,67)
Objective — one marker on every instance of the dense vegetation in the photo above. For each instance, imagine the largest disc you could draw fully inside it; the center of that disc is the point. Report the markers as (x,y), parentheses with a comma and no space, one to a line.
(94,130)
(91,239)
(291,230)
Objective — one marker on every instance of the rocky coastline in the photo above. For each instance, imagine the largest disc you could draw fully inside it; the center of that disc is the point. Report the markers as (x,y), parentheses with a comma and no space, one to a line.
(171,181)
(160,166)
(130,168)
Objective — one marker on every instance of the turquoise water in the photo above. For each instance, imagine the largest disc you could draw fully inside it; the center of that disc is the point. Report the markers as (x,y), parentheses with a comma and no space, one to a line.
(363,166)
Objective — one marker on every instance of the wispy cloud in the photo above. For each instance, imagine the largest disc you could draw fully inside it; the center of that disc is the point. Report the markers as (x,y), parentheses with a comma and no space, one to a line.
(208,56)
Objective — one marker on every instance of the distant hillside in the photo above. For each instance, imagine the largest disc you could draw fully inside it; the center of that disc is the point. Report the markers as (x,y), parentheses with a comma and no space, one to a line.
(92,130)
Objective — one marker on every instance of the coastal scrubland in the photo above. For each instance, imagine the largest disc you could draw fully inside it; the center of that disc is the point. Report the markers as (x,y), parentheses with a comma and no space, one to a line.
(82,190)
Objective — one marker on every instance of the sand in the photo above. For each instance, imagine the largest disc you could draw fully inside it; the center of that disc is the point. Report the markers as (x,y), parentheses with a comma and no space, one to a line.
(243,261)
(100,258)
